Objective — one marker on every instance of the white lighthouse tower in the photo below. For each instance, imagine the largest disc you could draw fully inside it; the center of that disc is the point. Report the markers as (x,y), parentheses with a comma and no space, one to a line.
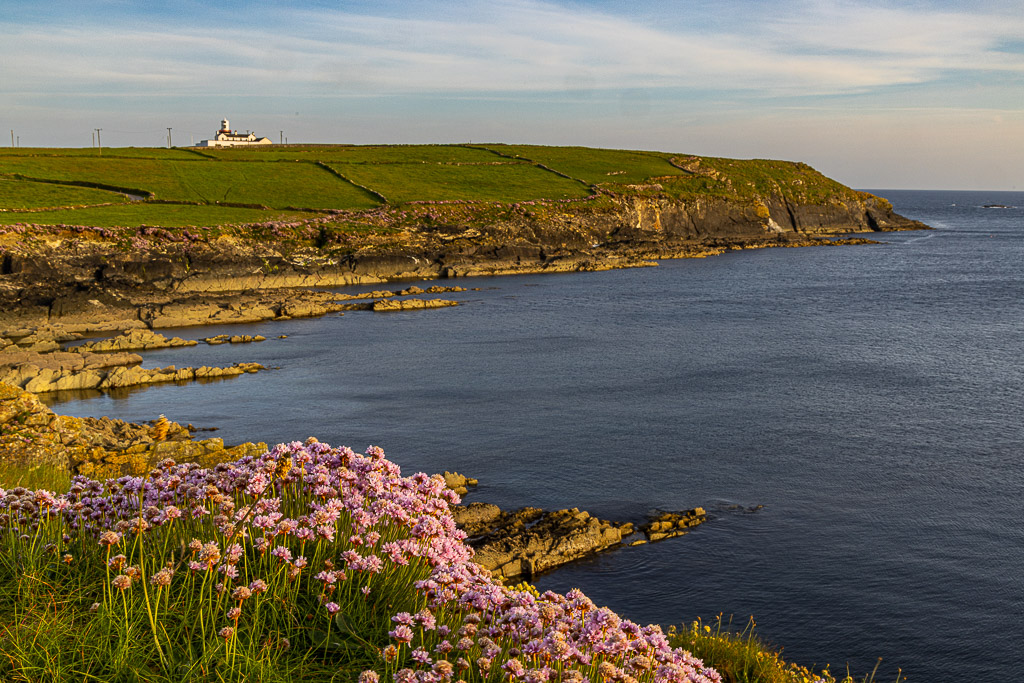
(225,137)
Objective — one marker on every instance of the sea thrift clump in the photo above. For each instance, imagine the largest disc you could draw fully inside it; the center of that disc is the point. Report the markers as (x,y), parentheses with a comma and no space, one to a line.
(316,537)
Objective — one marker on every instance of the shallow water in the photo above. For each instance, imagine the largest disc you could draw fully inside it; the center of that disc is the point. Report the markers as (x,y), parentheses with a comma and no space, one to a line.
(868,397)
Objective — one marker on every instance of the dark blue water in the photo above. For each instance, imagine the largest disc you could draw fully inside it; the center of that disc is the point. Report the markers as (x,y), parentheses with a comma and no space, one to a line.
(870,398)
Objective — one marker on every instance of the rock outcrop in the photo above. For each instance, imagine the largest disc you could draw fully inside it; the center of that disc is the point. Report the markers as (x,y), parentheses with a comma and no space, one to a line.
(33,437)
(233,339)
(67,370)
(137,339)
(411,304)
(458,483)
(531,540)
(672,524)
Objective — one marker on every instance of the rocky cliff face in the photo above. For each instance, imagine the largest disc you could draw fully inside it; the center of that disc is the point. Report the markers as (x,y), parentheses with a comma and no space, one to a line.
(57,273)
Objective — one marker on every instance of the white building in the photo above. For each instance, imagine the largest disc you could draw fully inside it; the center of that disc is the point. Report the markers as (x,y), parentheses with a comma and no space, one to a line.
(226,137)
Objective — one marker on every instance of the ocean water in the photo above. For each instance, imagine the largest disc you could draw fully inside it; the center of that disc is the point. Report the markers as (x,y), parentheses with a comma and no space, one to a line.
(869,398)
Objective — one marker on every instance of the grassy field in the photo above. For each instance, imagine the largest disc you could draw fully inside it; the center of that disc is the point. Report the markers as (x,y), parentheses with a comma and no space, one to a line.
(510,182)
(105,153)
(596,166)
(359,178)
(362,154)
(21,194)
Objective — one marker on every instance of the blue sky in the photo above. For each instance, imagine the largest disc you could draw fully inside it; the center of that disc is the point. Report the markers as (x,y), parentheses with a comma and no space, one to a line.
(919,94)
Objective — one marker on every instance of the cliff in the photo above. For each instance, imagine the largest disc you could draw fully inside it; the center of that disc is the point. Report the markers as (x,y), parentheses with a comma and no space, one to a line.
(117,276)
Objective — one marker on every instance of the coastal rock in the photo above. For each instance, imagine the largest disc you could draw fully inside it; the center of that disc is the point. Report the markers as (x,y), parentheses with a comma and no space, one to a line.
(458,483)
(671,524)
(185,314)
(233,339)
(33,437)
(529,541)
(476,518)
(59,371)
(411,304)
(138,339)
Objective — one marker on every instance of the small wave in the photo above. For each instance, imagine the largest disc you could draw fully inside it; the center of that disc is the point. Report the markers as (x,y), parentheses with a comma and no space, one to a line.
(922,237)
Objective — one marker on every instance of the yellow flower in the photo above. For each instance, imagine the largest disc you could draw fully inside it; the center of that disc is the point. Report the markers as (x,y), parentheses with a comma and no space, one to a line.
(707,628)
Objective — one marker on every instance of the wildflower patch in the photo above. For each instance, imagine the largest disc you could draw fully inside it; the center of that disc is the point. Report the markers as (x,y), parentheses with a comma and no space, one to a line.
(303,560)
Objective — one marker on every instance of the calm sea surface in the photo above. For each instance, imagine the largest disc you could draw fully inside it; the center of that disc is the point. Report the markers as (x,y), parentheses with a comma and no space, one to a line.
(870,398)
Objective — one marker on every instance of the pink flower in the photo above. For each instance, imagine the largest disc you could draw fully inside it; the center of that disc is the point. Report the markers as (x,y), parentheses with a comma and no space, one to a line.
(402,633)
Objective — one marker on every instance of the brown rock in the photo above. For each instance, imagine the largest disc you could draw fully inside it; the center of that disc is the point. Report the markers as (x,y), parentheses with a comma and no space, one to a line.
(530,540)
(134,339)
(411,304)
(671,524)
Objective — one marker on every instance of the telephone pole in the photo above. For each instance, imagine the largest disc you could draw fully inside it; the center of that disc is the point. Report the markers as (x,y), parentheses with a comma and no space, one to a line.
(98,143)
(168,138)
(282,137)
(12,137)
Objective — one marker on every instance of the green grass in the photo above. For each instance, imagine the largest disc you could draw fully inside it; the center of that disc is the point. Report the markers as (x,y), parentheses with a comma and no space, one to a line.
(24,194)
(432,182)
(359,154)
(746,178)
(145,213)
(105,153)
(277,185)
(33,477)
(741,656)
(596,166)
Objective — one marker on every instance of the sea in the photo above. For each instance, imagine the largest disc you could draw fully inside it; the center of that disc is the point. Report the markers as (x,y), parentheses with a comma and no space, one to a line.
(850,417)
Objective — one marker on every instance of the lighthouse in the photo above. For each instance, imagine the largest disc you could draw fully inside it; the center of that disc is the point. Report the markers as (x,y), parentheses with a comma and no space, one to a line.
(225,137)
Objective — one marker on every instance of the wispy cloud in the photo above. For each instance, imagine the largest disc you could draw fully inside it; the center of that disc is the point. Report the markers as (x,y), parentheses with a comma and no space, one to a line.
(815,47)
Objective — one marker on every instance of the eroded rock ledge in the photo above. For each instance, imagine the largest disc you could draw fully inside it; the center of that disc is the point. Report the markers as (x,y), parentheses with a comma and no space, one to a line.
(529,541)
(66,370)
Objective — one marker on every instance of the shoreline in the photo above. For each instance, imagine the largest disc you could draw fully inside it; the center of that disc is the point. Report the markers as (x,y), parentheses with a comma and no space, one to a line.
(203,299)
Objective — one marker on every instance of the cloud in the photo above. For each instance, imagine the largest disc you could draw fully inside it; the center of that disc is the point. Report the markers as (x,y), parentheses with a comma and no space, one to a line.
(508,46)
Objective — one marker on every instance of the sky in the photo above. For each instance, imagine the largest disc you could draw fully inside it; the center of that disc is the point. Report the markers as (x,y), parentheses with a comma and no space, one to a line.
(919,94)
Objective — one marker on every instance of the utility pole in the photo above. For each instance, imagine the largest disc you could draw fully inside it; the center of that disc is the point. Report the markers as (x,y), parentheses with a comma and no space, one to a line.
(94,138)
(98,143)
(282,137)
(12,137)
(168,138)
